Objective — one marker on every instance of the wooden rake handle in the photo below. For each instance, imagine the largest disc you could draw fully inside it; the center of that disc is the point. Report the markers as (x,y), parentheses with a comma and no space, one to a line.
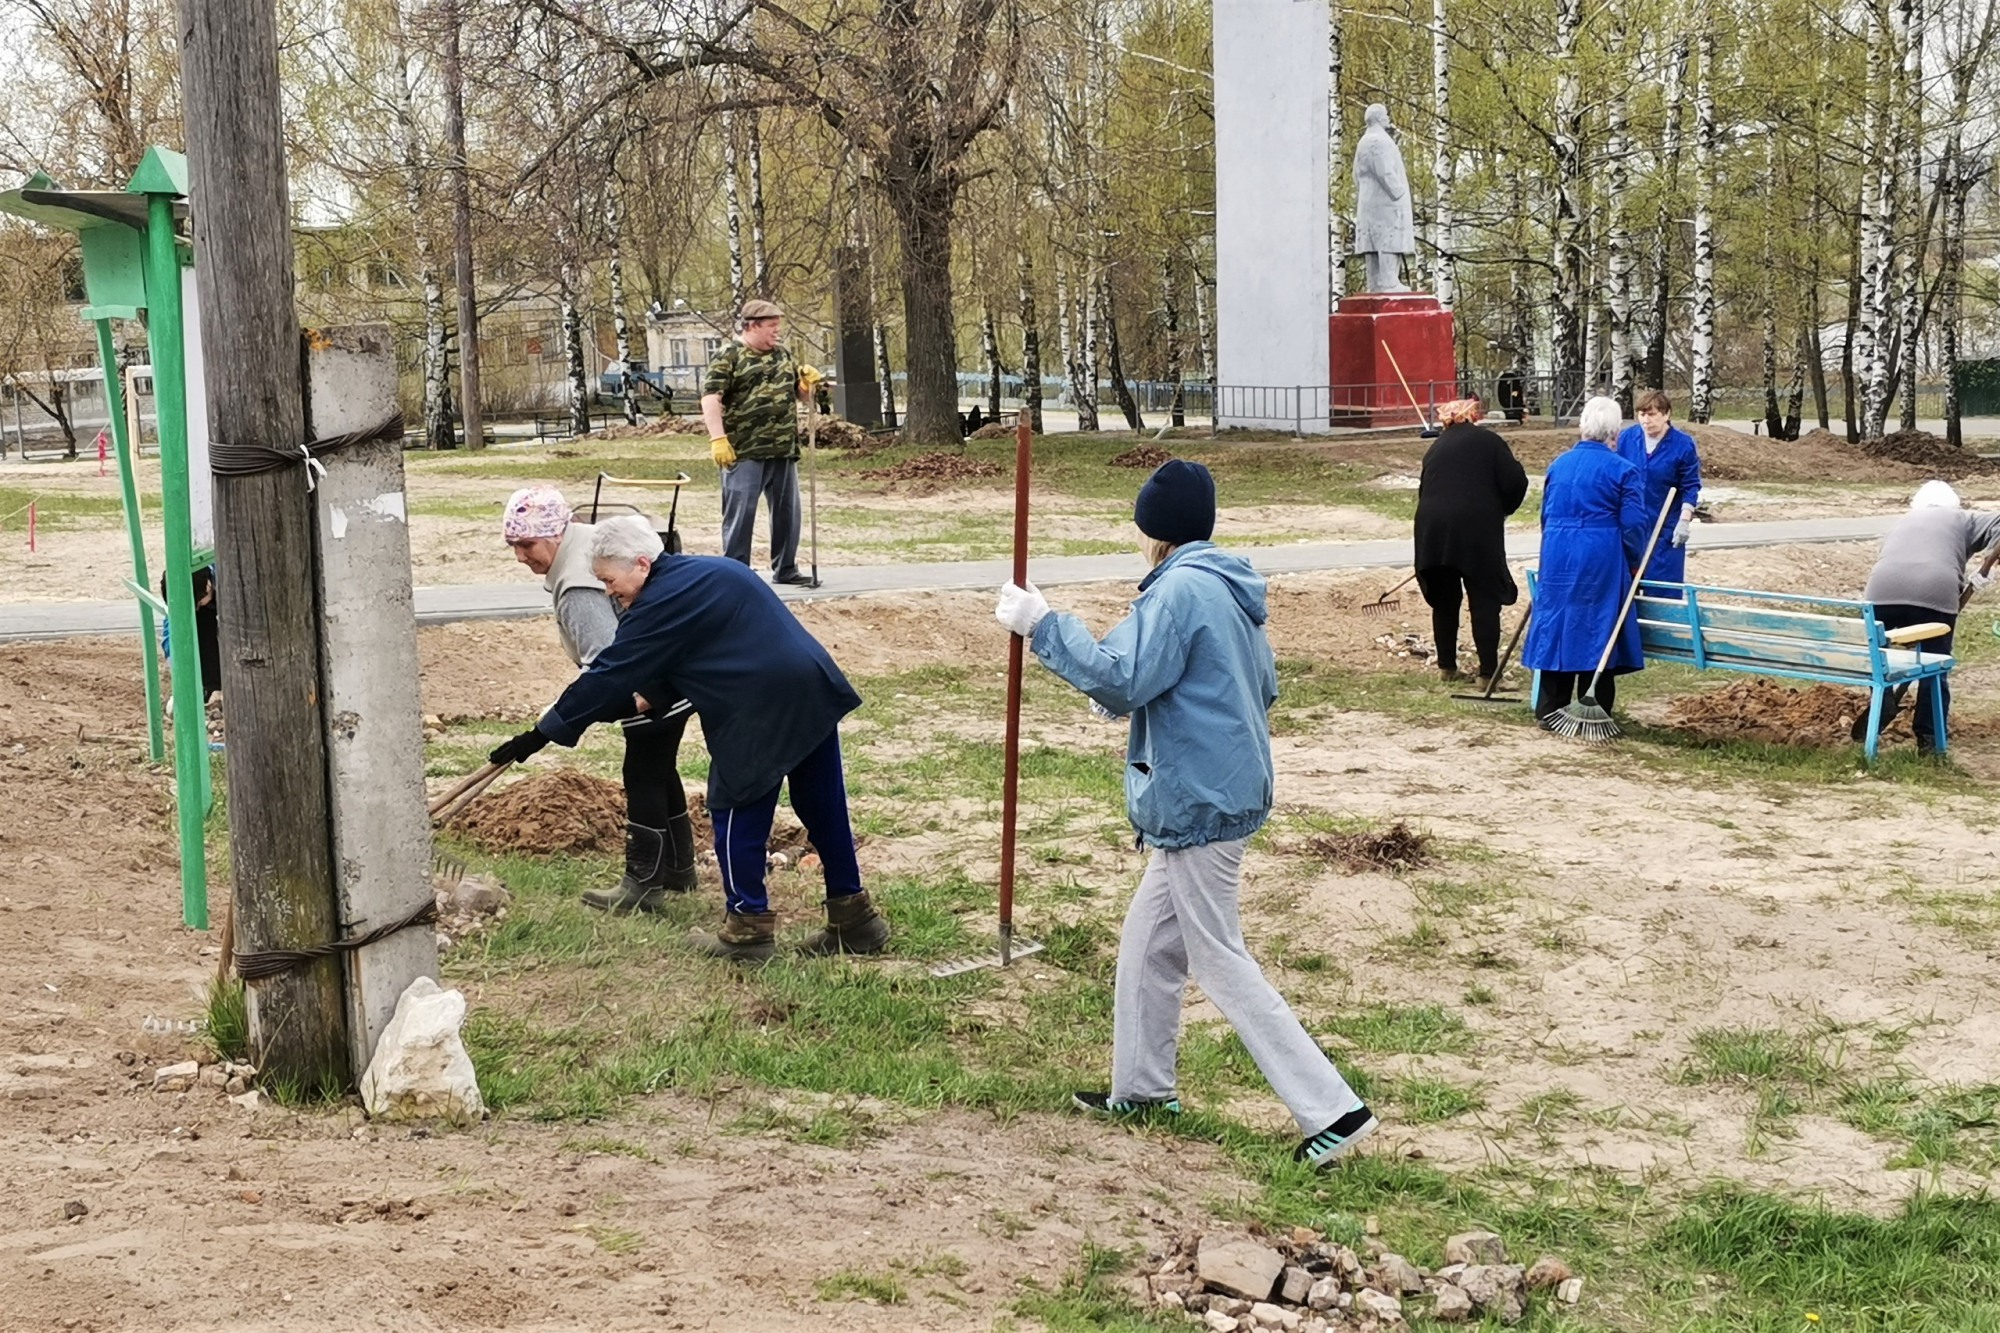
(454,802)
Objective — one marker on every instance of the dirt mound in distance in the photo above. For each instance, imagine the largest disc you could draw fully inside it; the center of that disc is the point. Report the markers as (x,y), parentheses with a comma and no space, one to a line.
(561,810)
(1923,450)
(992,430)
(657,426)
(1396,848)
(1148,456)
(936,467)
(1762,710)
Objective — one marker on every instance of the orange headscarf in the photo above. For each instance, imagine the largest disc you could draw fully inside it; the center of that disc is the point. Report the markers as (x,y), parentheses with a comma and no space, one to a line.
(1460,410)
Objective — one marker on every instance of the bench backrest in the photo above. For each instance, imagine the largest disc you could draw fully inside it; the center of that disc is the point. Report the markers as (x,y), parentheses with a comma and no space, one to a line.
(1779,633)
(1749,629)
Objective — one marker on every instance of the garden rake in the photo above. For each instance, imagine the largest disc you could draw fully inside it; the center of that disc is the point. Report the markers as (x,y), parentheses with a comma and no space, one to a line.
(1010,783)
(1582,719)
(1429,431)
(1388,603)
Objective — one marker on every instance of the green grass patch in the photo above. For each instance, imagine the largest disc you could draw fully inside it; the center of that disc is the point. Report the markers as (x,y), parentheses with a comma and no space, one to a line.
(1426,1101)
(1407,1030)
(852,1284)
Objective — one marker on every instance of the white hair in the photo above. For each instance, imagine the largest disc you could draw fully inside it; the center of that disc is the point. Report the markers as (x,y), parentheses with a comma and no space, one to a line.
(1600,420)
(1934,495)
(625,540)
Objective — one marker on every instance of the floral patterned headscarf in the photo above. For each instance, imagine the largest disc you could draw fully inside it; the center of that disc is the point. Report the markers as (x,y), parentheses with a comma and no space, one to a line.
(1460,410)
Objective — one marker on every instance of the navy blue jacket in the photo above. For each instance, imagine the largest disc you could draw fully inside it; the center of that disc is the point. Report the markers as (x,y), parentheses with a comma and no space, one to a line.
(707,630)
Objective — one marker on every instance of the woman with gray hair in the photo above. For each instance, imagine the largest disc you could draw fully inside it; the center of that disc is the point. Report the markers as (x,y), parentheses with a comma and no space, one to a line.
(1920,579)
(1594,531)
(705,629)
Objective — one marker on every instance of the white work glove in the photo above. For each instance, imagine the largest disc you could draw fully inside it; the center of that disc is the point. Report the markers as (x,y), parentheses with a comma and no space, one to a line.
(1021,609)
(1980,582)
(1685,526)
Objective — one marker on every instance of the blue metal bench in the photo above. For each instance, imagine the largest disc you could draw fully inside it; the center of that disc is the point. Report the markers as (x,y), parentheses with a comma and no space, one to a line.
(1826,640)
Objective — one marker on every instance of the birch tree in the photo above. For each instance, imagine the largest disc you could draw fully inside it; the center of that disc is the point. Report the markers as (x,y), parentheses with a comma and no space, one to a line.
(1910,170)
(1618,237)
(1445,268)
(1701,368)
(1567,334)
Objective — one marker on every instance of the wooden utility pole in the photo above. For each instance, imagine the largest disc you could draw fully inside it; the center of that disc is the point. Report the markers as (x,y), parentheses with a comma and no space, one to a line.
(279,826)
(461,230)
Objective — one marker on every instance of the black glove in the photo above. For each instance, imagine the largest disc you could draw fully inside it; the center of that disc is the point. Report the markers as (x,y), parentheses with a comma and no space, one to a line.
(524,746)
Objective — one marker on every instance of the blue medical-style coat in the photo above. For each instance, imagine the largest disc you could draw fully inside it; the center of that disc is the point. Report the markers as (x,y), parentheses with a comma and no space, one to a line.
(707,630)
(1673,463)
(1594,529)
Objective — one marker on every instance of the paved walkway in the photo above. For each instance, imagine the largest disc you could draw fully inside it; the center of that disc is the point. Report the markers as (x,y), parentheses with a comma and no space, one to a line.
(21,621)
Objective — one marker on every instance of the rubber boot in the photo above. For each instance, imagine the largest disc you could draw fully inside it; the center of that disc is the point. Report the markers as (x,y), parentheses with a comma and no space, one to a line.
(852,926)
(745,937)
(677,869)
(645,885)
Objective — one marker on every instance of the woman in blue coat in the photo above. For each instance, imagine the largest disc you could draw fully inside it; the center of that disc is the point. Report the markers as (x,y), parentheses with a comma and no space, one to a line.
(1594,530)
(1665,456)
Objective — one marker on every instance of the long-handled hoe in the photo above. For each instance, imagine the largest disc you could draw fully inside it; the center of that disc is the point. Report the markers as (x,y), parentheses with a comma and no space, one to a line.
(1010,790)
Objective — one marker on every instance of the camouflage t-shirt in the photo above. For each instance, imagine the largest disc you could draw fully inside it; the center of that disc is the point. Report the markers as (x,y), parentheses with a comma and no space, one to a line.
(760,393)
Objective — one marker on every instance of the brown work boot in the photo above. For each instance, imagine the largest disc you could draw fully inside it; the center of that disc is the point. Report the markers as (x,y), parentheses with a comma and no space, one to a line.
(852,926)
(745,937)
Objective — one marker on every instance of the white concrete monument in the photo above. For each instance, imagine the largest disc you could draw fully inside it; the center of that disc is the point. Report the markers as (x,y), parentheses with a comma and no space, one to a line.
(1271,279)
(1383,229)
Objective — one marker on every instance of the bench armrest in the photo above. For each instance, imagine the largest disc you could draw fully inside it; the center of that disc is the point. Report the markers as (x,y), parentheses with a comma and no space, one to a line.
(1930,629)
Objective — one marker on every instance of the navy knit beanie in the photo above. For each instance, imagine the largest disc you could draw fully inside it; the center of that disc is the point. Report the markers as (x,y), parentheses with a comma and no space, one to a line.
(1177,503)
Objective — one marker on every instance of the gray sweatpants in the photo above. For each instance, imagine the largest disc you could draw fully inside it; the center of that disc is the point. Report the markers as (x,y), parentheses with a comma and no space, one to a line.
(776,480)
(1183,923)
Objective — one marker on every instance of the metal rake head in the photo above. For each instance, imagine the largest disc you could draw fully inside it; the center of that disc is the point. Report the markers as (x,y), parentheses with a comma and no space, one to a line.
(447,868)
(1583,721)
(1381,608)
(1019,949)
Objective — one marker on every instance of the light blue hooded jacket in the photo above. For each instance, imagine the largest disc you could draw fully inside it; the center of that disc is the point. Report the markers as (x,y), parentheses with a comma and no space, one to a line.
(1192,667)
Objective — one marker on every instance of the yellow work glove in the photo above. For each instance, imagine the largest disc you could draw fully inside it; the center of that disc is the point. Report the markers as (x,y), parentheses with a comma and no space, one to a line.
(809,379)
(721,451)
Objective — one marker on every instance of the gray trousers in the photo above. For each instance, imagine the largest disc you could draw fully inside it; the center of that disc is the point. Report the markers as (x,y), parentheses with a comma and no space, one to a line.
(1183,923)
(776,480)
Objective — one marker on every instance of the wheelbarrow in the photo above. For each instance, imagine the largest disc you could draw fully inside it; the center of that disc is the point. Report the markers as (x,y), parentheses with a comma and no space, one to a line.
(669,537)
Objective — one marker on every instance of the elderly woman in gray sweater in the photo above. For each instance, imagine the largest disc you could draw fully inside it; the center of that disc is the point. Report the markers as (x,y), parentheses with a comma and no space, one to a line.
(1919,578)
(659,840)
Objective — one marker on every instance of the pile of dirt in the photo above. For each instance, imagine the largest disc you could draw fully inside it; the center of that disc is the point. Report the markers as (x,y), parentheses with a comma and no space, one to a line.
(1396,848)
(1148,456)
(561,810)
(656,427)
(1762,710)
(1923,450)
(936,467)
(992,430)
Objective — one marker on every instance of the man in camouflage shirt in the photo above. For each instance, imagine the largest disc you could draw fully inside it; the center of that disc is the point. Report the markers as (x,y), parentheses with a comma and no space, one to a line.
(749,402)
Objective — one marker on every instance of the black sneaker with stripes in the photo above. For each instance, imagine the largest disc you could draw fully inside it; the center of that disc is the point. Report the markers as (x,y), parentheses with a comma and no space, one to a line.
(1325,1147)
(1102,1103)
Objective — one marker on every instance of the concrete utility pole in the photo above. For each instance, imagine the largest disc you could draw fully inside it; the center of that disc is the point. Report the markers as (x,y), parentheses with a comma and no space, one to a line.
(461,231)
(279,824)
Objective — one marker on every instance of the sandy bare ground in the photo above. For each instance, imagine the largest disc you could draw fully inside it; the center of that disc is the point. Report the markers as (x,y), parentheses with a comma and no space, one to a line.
(1624,905)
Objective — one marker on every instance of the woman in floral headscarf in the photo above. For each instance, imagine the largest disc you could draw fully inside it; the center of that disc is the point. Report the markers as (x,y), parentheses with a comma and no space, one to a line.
(659,840)
(1471,482)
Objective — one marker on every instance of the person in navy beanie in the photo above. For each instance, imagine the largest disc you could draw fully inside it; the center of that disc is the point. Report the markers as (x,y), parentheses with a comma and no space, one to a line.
(1193,670)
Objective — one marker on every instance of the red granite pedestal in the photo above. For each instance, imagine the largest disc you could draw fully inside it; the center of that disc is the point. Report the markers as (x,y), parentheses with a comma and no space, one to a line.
(1366,390)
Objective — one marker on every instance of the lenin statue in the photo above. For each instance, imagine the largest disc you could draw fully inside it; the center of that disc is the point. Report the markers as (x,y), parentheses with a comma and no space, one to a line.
(1383,230)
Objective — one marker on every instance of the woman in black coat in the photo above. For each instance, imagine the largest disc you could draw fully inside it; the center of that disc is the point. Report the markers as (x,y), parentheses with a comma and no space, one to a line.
(1471,482)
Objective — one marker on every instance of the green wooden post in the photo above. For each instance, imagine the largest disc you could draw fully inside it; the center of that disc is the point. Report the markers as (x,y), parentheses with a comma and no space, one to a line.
(114,399)
(163,337)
